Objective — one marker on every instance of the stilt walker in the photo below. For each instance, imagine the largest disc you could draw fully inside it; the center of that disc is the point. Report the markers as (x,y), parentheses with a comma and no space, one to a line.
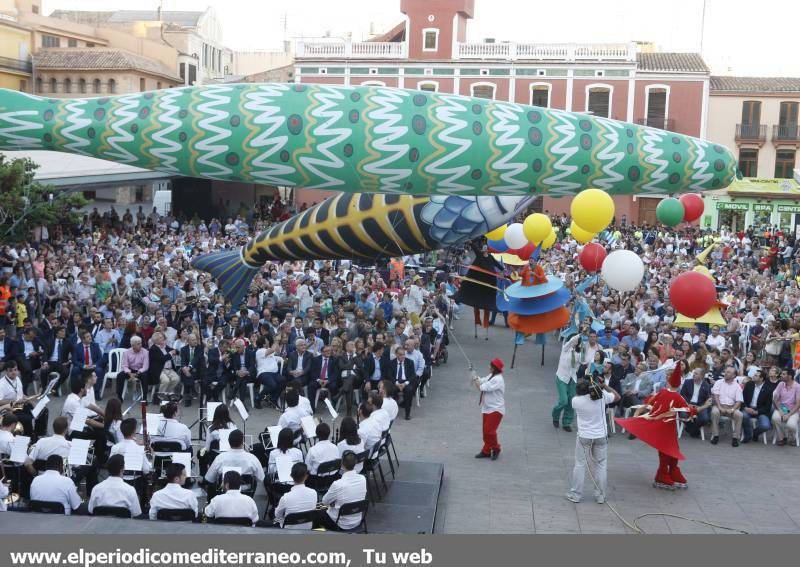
(479,287)
(658,429)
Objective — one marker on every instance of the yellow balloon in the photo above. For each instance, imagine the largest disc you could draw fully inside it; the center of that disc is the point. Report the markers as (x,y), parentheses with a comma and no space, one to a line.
(536,227)
(497,233)
(580,235)
(549,240)
(592,210)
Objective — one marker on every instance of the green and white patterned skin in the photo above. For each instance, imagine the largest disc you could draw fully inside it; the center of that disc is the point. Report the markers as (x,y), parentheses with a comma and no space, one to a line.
(366,139)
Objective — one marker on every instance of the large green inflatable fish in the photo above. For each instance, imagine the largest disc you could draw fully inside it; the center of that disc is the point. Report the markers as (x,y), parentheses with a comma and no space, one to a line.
(365,140)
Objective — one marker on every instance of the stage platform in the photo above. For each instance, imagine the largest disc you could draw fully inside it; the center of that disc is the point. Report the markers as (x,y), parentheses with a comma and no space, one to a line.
(409,506)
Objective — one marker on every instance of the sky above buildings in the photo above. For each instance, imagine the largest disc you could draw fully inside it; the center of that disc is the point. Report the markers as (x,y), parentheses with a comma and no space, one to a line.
(739,37)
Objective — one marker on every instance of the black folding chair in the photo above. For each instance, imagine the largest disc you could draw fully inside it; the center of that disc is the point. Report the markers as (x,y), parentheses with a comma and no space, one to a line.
(178,515)
(327,474)
(44,507)
(162,452)
(298,518)
(354,508)
(232,521)
(114,511)
(372,464)
(383,450)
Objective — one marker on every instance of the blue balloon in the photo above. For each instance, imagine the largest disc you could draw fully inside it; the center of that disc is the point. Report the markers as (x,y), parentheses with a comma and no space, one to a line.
(499,245)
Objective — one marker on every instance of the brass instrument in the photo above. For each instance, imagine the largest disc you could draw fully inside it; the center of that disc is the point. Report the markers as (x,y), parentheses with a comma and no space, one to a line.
(20,405)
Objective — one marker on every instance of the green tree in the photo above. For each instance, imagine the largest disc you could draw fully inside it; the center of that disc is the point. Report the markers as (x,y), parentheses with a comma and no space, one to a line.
(25,203)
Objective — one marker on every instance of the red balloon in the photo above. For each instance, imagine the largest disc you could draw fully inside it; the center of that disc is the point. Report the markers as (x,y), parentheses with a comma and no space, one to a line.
(526,251)
(692,205)
(692,294)
(592,256)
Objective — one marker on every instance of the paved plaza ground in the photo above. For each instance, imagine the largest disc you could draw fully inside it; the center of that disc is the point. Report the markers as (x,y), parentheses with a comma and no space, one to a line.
(752,487)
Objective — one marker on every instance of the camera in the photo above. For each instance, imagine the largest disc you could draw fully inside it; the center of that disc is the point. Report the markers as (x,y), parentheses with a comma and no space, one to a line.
(595,390)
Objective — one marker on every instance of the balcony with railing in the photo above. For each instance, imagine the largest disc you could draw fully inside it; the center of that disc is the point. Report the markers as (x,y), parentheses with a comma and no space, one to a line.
(16,65)
(622,52)
(786,133)
(751,133)
(660,123)
(343,49)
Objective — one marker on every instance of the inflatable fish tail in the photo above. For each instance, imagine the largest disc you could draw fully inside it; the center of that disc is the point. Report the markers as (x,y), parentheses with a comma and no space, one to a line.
(366,139)
(233,275)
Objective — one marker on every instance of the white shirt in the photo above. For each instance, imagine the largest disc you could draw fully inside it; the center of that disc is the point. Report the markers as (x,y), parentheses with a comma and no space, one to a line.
(11,389)
(51,486)
(46,446)
(232,504)
(370,432)
(266,362)
(299,499)
(295,454)
(320,452)
(382,417)
(114,491)
(357,449)
(291,417)
(123,446)
(247,462)
(213,435)
(695,392)
(756,392)
(591,415)
(568,361)
(419,361)
(3,495)
(352,487)
(717,342)
(172,430)
(172,497)
(391,407)
(71,404)
(6,441)
(493,390)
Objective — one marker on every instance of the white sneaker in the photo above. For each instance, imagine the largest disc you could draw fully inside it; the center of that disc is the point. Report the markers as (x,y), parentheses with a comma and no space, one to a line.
(572,497)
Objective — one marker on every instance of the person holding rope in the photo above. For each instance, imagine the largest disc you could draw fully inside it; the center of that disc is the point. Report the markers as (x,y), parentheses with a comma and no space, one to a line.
(591,443)
(493,406)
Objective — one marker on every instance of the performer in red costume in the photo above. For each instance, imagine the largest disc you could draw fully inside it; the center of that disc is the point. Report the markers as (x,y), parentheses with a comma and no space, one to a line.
(658,429)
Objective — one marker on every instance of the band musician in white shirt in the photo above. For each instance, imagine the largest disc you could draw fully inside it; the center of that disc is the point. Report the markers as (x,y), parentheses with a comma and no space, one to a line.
(352,487)
(114,491)
(232,504)
(173,496)
(299,499)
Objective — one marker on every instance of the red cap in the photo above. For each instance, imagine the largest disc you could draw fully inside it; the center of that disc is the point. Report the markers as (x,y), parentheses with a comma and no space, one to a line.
(676,377)
(497,363)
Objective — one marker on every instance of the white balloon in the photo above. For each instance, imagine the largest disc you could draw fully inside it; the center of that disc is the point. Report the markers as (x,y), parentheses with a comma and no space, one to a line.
(515,236)
(623,270)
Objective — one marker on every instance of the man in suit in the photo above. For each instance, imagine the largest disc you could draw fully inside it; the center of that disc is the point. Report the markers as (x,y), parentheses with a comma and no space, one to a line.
(323,373)
(350,373)
(241,367)
(212,370)
(636,387)
(192,367)
(56,356)
(757,406)
(298,366)
(31,353)
(401,371)
(87,355)
(372,367)
(697,391)
(47,328)
(320,331)
(229,330)
(9,347)
(296,333)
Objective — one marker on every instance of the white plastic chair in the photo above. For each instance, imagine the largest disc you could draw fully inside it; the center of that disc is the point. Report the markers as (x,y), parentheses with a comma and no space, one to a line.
(114,368)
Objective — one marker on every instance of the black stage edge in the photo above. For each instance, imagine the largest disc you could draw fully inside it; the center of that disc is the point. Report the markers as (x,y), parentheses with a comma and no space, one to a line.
(409,506)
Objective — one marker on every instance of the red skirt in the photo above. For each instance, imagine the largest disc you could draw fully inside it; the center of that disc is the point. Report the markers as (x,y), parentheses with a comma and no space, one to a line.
(660,434)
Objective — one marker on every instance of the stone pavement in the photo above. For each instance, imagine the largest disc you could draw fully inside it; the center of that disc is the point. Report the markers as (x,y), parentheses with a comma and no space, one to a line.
(752,487)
